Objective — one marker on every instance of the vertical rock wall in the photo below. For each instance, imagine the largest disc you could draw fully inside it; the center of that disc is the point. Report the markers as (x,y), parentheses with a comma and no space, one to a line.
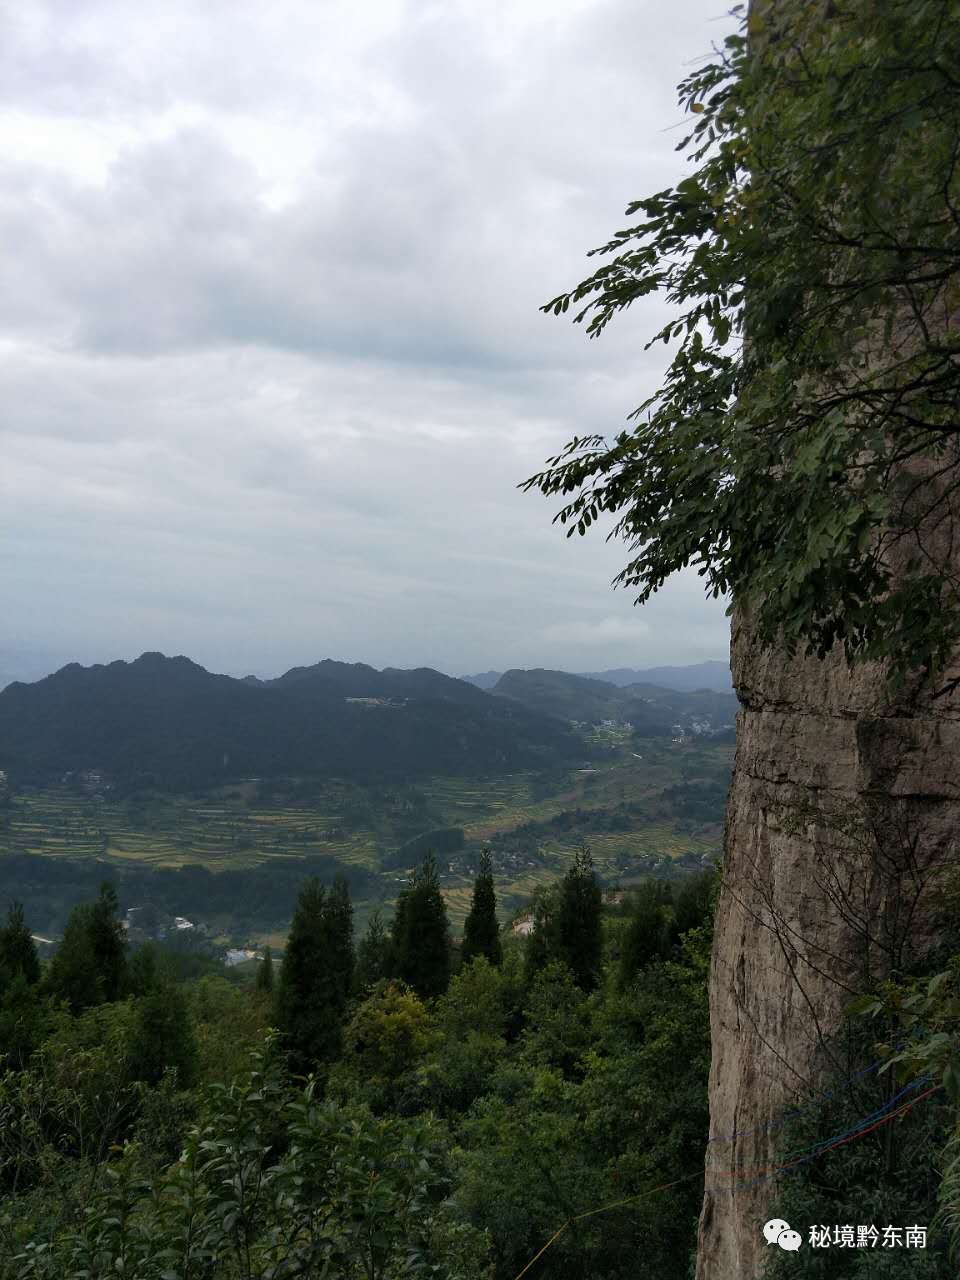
(804,911)
(807,917)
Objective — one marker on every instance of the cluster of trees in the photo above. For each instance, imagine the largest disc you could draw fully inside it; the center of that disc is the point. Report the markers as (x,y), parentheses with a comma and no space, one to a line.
(419,1109)
(395,1106)
(263,896)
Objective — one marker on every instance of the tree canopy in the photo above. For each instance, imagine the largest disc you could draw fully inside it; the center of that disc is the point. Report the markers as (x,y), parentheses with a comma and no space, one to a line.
(802,451)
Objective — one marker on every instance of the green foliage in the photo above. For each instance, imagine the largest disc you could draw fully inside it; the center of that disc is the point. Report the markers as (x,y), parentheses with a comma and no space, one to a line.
(421,934)
(265,973)
(578,921)
(343,1194)
(163,1038)
(90,965)
(888,1176)
(374,959)
(481,930)
(649,936)
(316,976)
(605,1101)
(809,225)
(922,1016)
(18,955)
(388,1034)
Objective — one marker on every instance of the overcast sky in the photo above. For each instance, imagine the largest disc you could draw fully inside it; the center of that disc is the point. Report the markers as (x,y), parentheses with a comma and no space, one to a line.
(271,360)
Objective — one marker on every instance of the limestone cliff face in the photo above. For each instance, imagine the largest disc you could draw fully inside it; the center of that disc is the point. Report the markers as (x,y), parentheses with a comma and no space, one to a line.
(806,911)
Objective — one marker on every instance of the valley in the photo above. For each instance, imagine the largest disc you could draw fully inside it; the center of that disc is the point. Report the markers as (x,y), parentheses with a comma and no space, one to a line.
(232,857)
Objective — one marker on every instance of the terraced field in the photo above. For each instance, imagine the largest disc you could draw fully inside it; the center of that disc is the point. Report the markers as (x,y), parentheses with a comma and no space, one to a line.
(229,830)
(176,833)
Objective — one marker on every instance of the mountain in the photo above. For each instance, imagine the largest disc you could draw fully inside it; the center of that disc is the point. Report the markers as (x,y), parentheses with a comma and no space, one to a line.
(27,664)
(700,675)
(652,710)
(484,679)
(170,720)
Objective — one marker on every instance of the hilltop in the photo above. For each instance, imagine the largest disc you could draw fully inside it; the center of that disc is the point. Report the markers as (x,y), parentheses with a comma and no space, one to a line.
(714,675)
(170,722)
(650,709)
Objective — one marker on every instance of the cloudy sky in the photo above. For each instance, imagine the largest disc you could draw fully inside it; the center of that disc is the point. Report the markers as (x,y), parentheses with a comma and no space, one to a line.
(271,360)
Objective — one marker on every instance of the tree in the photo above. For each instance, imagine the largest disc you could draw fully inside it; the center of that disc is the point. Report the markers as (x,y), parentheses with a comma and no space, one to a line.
(481,930)
(810,228)
(90,966)
(389,1033)
(108,943)
(578,924)
(648,935)
(316,975)
(265,972)
(421,935)
(18,955)
(20,1009)
(543,942)
(163,1037)
(373,955)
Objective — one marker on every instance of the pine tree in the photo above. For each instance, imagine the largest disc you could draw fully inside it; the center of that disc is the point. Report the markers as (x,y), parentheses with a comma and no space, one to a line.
(72,975)
(20,1009)
(90,966)
(481,930)
(316,975)
(543,942)
(579,927)
(109,943)
(422,934)
(18,955)
(373,956)
(339,943)
(648,936)
(265,972)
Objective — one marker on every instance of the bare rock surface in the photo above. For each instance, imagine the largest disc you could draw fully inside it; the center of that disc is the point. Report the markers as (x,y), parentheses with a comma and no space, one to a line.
(808,913)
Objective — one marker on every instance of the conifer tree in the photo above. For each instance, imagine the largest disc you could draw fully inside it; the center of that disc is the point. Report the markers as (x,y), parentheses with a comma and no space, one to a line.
(265,972)
(648,936)
(338,919)
(20,1009)
(481,930)
(422,933)
(90,966)
(373,955)
(543,943)
(18,955)
(109,944)
(578,925)
(316,975)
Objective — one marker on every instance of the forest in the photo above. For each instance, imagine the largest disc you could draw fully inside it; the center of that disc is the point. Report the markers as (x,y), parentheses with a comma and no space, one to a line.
(395,1105)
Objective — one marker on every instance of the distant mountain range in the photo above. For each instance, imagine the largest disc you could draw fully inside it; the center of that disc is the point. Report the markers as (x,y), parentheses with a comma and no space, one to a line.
(700,675)
(169,722)
(651,709)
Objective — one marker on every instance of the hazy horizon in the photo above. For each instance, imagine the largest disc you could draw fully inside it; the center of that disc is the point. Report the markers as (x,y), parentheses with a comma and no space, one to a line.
(28,668)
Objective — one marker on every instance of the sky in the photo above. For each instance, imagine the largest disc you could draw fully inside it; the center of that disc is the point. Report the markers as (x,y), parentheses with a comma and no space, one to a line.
(271,360)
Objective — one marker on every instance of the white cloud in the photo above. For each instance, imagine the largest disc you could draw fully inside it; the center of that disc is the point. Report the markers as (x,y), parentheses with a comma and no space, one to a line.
(273,361)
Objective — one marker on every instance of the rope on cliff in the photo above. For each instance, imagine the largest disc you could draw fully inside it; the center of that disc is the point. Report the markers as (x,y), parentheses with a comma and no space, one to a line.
(823,1097)
(818,1149)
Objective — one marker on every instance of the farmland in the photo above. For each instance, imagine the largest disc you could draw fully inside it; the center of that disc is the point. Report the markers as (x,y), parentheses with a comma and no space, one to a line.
(534,822)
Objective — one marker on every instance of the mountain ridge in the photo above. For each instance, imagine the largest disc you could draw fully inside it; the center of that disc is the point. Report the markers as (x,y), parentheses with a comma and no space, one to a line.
(168,721)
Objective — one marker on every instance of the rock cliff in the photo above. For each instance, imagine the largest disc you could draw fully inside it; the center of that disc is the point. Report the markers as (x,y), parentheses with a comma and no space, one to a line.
(842,813)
